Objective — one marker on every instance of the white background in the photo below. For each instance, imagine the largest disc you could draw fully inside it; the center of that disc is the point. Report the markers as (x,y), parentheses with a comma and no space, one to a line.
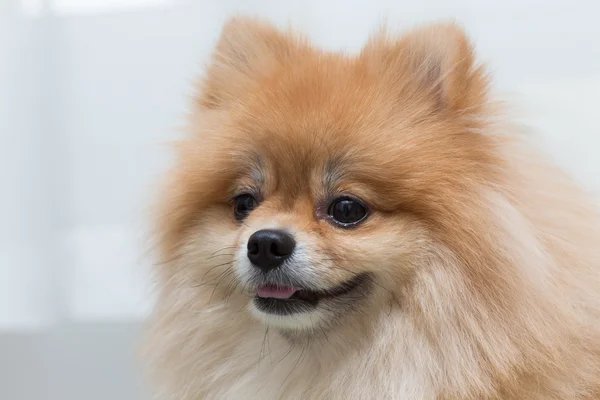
(90,90)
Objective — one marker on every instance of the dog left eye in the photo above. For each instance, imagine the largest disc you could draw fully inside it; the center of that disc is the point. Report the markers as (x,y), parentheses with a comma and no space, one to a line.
(347,211)
(243,204)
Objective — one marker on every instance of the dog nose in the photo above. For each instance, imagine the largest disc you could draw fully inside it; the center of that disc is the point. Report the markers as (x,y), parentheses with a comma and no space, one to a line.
(269,248)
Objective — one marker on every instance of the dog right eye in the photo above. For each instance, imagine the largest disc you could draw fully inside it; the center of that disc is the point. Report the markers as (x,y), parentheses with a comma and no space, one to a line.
(347,211)
(243,205)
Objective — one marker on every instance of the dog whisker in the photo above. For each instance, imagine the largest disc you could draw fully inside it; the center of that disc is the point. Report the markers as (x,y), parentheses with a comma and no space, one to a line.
(226,274)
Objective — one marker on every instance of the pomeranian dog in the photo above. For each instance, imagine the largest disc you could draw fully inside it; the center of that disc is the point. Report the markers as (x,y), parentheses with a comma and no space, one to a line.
(368,226)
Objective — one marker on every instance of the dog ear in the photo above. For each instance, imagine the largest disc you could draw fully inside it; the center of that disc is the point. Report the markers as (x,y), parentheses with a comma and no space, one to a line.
(434,62)
(247,49)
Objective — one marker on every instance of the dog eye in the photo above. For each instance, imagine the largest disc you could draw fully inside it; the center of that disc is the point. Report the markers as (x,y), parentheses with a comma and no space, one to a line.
(243,204)
(347,211)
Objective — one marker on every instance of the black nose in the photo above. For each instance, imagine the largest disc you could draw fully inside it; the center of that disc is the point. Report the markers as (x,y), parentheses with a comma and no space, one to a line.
(269,248)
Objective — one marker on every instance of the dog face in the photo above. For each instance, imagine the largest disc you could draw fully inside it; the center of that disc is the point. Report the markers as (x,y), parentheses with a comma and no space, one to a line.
(315,185)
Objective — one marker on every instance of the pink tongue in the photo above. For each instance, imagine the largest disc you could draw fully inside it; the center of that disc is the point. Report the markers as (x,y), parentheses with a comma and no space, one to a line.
(276,292)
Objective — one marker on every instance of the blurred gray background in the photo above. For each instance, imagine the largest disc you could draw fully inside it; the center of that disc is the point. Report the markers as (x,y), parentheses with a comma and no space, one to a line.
(90,90)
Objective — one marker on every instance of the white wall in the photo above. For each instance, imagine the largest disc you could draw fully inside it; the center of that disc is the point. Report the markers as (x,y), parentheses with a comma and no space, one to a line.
(88,96)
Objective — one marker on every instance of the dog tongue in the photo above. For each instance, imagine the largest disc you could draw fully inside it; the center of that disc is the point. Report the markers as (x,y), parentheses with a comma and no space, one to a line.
(276,292)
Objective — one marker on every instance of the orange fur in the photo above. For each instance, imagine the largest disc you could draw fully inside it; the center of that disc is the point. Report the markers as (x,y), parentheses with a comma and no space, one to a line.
(485,258)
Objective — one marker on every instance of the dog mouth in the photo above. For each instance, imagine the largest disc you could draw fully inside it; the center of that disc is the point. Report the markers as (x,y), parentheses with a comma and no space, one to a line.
(285,300)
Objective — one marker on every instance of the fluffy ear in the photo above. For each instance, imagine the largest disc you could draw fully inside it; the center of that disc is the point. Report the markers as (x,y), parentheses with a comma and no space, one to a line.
(436,62)
(246,49)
